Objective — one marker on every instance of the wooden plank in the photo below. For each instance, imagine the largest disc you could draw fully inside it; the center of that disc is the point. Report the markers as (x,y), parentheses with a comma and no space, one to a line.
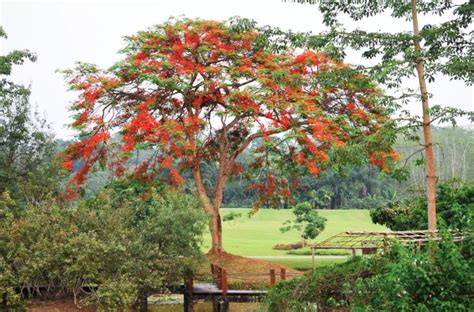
(211,289)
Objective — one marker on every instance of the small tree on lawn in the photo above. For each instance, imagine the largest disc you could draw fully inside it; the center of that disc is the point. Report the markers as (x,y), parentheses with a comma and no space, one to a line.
(307,221)
(191,91)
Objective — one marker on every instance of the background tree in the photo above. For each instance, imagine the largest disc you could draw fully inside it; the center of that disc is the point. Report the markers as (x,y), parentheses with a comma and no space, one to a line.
(193,91)
(455,210)
(307,221)
(454,155)
(27,168)
(355,187)
(444,48)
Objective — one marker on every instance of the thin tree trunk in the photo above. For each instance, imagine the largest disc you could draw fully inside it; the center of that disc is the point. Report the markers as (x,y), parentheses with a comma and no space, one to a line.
(217,233)
(464,166)
(453,161)
(430,169)
(219,195)
(438,161)
(215,224)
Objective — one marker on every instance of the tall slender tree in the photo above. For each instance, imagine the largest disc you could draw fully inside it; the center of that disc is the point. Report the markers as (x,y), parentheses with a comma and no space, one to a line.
(430,165)
(443,48)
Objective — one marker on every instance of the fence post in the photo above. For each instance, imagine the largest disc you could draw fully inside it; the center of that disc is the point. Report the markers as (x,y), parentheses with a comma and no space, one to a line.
(186,301)
(223,305)
(188,293)
(283,274)
(215,304)
(313,258)
(272,277)
(142,301)
(224,285)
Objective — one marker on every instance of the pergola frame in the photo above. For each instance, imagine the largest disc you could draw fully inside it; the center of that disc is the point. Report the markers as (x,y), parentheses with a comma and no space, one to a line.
(369,242)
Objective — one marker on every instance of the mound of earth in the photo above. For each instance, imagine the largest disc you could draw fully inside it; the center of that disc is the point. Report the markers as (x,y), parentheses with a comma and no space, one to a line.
(247,272)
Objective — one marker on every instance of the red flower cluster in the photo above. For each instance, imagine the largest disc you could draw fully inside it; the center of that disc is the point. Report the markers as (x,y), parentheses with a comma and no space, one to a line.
(201,90)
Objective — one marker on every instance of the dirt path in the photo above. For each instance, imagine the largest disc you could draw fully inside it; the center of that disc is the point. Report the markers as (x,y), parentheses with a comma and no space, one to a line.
(297,257)
(58,305)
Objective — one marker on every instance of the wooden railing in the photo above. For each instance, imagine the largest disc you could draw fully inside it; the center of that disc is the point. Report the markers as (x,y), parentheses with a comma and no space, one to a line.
(221,277)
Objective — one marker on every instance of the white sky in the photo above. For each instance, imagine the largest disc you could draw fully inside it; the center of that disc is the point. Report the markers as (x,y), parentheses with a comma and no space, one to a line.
(64,32)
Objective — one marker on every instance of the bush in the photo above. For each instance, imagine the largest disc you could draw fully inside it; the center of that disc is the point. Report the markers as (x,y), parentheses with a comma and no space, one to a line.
(10,299)
(328,287)
(439,281)
(454,206)
(439,277)
(119,245)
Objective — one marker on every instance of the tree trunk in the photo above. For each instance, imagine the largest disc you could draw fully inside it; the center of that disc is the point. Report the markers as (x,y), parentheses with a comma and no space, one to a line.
(216,216)
(215,224)
(216,232)
(430,168)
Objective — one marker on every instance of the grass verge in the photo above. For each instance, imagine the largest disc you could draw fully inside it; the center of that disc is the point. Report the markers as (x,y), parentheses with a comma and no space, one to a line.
(306,264)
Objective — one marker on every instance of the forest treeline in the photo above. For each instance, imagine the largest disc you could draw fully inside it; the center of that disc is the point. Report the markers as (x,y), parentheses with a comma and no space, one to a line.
(361,187)
(366,187)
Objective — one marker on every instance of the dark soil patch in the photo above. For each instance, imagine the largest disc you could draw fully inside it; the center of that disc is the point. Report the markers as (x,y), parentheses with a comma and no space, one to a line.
(57,305)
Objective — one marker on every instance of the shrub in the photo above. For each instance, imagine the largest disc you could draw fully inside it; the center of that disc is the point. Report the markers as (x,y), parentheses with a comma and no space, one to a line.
(455,209)
(10,299)
(121,246)
(427,281)
(327,287)
(439,277)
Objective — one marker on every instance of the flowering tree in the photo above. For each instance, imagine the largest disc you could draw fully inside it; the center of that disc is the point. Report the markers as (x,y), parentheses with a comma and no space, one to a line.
(195,90)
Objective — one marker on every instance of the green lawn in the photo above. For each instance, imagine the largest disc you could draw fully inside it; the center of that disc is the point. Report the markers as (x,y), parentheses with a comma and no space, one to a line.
(256,235)
(305,264)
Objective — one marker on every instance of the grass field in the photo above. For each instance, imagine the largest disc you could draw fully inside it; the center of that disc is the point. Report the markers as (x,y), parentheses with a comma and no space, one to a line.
(304,263)
(256,235)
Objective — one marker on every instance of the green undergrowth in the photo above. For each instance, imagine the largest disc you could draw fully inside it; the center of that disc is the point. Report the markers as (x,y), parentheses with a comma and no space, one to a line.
(438,277)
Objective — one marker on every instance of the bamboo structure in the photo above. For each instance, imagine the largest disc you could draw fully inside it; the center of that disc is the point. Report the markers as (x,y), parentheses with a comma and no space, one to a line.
(369,242)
